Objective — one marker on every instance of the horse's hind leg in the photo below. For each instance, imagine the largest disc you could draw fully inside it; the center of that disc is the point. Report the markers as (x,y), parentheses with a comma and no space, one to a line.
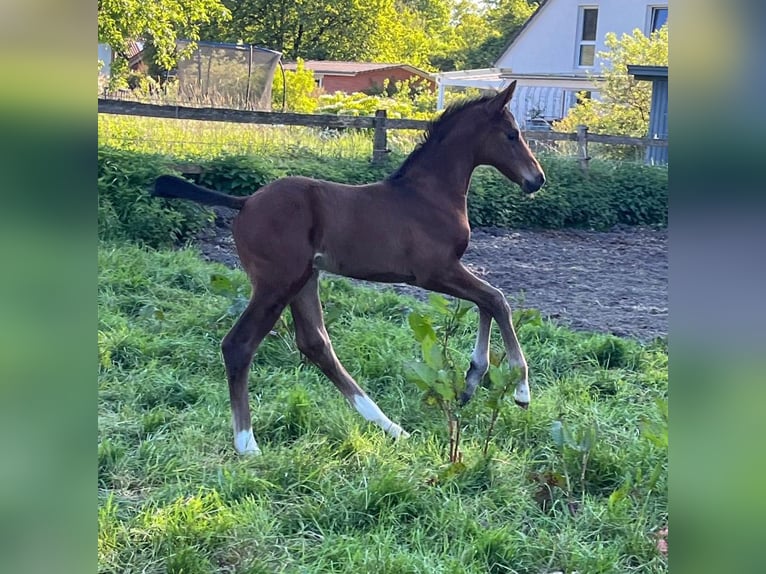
(314,342)
(238,348)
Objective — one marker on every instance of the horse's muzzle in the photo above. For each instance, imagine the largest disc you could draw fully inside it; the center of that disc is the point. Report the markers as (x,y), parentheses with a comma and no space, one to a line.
(532,185)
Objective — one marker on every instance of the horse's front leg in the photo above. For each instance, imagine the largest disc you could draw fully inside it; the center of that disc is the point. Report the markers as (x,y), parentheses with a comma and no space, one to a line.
(457,281)
(479,357)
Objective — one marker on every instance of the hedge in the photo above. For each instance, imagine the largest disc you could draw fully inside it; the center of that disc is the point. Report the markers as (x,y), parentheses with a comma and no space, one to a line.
(611,193)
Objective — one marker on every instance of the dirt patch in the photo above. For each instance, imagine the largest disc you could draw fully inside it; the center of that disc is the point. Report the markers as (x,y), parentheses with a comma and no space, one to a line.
(607,282)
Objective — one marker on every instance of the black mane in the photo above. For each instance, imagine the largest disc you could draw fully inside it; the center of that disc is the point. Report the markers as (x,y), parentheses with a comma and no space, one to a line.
(435,130)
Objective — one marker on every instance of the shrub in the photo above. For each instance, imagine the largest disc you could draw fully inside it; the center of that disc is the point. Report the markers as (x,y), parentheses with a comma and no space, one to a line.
(611,192)
(127,211)
(240,174)
(301,90)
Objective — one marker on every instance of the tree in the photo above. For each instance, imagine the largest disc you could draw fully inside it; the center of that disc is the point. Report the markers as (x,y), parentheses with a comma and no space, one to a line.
(430,34)
(159,22)
(301,88)
(482,42)
(310,29)
(623,107)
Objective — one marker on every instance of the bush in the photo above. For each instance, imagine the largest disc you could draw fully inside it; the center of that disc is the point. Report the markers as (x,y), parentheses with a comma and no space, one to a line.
(301,90)
(611,192)
(240,174)
(127,211)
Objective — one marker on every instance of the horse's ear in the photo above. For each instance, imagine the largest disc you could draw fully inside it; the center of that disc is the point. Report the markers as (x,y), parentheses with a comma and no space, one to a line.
(501,100)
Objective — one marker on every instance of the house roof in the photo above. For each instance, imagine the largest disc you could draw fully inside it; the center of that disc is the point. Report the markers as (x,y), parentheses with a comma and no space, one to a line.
(524,26)
(338,68)
(499,77)
(648,72)
(133,48)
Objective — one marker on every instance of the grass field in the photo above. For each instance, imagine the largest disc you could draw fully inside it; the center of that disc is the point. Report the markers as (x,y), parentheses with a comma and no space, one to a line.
(193,139)
(198,139)
(331,493)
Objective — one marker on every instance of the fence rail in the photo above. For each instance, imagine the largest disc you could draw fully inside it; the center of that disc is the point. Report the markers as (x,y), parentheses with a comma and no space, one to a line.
(379,122)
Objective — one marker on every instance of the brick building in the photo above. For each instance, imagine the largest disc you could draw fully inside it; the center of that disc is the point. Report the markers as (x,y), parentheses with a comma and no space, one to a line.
(352,77)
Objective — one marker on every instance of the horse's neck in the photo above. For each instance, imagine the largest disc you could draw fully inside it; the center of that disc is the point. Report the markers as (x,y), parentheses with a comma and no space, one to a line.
(444,175)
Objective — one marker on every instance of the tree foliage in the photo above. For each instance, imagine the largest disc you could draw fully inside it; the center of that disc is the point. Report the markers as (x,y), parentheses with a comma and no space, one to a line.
(481,40)
(310,29)
(623,107)
(300,90)
(159,22)
(430,34)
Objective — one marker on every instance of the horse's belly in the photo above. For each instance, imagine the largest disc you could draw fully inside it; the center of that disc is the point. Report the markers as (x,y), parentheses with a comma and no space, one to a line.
(364,269)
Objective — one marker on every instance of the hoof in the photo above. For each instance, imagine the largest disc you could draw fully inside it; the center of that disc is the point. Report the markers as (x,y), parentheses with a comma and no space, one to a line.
(254,451)
(245,444)
(396,432)
(521,395)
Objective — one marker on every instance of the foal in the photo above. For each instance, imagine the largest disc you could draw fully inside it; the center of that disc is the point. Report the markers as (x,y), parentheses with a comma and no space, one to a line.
(412,228)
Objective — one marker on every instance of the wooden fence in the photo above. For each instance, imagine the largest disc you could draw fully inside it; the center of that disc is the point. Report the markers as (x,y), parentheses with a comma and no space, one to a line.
(380,123)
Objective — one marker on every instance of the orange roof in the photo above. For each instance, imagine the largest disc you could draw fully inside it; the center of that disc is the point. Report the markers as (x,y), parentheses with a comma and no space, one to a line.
(351,68)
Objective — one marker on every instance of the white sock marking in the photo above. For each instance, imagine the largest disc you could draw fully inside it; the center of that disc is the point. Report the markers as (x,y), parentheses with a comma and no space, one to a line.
(480,354)
(370,411)
(522,395)
(244,442)
(479,357)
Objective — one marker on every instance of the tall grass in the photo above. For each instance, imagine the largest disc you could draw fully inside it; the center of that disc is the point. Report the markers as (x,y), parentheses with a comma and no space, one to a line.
(331,493)
(200,139)
(194,139)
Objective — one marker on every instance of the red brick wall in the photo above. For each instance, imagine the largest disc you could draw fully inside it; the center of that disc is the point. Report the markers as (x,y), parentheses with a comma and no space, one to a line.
(364,81)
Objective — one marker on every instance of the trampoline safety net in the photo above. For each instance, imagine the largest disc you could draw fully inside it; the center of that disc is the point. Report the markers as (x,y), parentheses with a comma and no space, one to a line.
(227,75)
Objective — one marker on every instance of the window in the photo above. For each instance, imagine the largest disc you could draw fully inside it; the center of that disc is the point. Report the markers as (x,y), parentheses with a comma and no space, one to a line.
(586,47)
(659,18)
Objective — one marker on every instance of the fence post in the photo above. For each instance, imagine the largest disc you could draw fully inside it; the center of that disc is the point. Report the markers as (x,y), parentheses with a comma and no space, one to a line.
(582,147)
(379,141)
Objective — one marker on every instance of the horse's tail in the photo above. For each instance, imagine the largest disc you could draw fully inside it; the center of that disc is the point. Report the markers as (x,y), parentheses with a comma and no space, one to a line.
(172,186)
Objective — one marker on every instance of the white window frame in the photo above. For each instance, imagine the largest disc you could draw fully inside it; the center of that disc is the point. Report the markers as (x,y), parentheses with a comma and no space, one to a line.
(650,16)
(580,42)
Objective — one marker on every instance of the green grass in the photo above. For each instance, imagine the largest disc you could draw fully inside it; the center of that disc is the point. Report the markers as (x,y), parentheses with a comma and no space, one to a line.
(331,493)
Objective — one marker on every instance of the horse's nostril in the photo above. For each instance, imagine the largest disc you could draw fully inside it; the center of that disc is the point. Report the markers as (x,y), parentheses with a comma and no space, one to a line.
(532,185)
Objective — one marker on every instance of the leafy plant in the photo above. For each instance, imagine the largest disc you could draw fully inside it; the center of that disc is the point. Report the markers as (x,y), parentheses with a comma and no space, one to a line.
(127,211)
(442,382)
(579,443)
(300,90)
(436,374)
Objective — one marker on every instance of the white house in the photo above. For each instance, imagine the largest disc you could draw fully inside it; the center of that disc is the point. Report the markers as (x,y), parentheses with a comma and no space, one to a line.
(553,52)
(105,56)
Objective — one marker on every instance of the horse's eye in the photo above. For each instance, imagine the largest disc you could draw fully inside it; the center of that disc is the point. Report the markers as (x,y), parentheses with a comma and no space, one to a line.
(513,136)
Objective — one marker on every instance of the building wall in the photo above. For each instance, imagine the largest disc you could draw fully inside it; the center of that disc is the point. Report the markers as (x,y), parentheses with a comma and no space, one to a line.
(658,122)
(544,102)
(549,43)
(364,81)
(105,55)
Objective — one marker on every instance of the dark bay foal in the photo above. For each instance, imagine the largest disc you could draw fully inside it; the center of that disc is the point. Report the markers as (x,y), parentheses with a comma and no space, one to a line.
(412,227)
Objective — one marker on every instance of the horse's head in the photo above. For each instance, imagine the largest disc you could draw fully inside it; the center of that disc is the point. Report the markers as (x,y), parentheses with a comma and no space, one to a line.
(503,146)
